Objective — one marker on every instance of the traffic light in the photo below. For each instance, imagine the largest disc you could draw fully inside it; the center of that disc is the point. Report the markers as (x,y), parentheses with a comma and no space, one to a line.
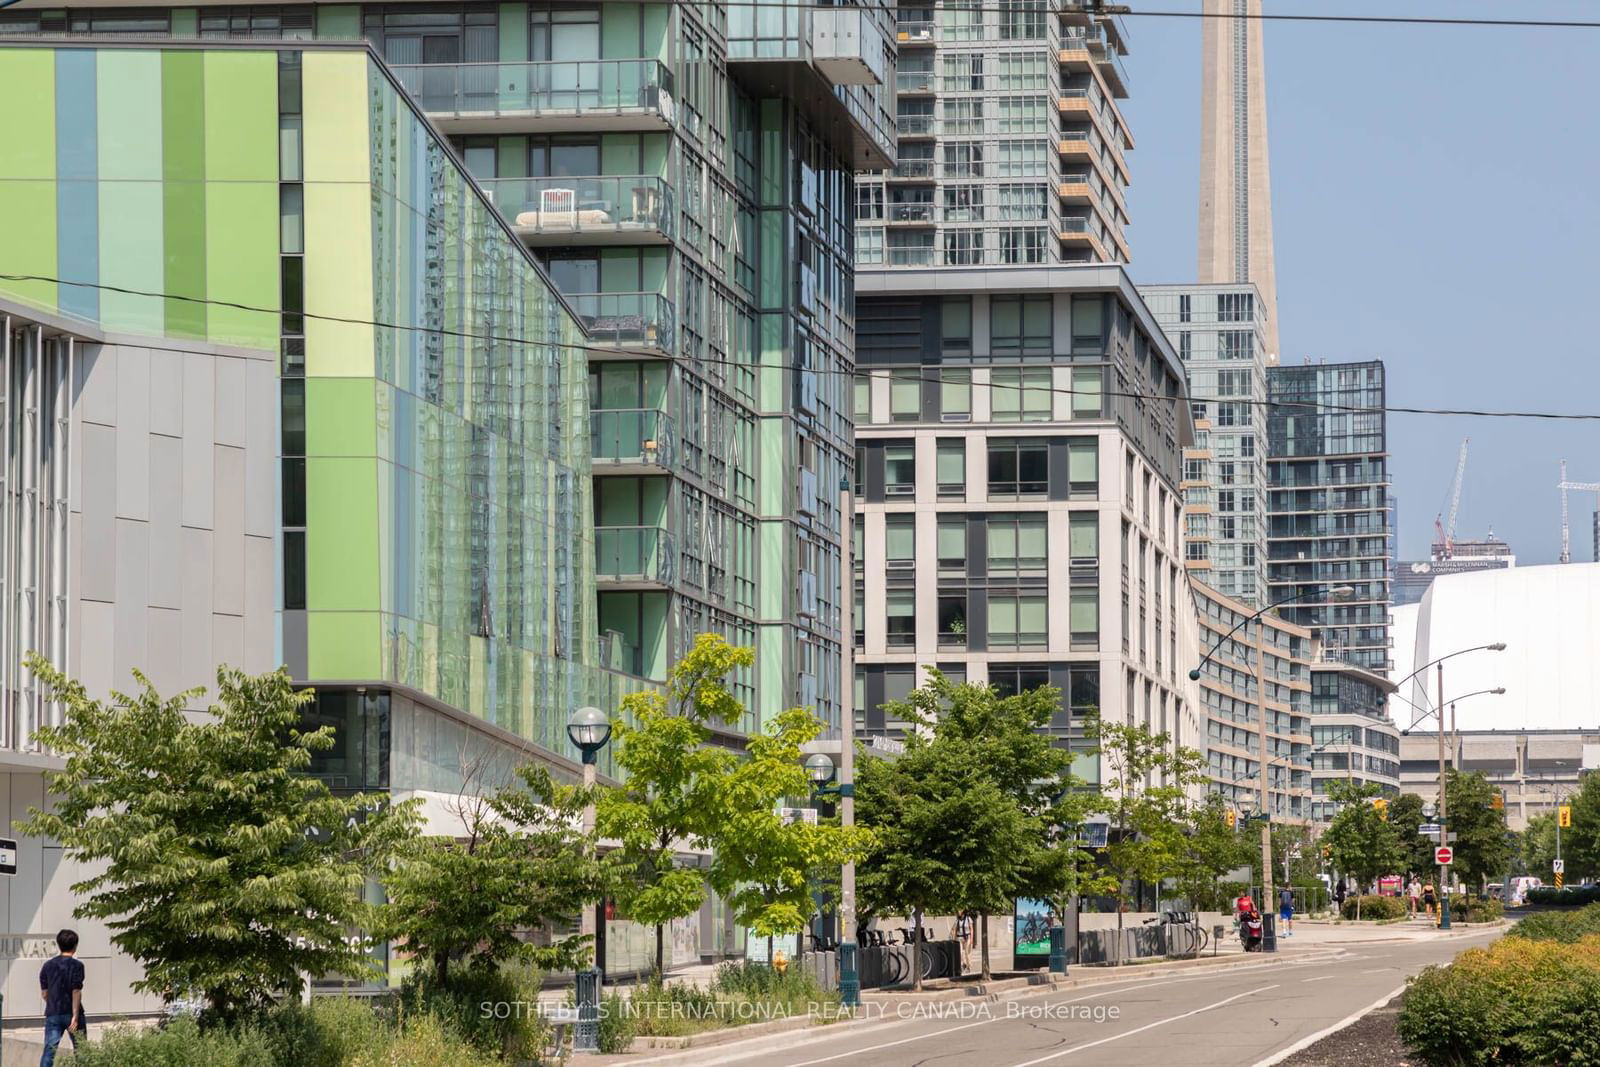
(1382,804)
(1327,853)
(1564,816)
(1498,802)
(1231,817)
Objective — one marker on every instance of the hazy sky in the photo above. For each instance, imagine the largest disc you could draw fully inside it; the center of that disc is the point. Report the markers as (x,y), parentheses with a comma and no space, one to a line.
(1436,193)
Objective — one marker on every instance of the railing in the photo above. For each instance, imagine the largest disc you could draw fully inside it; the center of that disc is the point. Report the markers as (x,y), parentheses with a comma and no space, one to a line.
(915,125)
(914,81)
(1075,179)
(912,31)
(632,435)
(565,86)
(1077,92)
(588,204)
(911,257)
(1074,224)
(910,212)
(634,553)
(645,319)
(914,168)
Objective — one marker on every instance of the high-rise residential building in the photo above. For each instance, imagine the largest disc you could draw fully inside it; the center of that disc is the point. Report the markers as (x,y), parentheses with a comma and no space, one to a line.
(1256,690)
(683,175)
(1352,737)
(1328,508)
(1235,176)
(1220,334)
(1011,141)
(1018,459)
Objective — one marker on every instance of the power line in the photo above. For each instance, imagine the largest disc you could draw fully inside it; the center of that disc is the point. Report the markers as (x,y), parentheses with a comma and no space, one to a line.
(918,376)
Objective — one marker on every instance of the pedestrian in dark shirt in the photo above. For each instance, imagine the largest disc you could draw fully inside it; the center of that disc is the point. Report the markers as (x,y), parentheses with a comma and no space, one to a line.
(61,988)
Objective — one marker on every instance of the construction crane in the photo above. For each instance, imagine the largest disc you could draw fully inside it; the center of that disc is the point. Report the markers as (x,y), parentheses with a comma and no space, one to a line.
(1446,532)
(1566,532)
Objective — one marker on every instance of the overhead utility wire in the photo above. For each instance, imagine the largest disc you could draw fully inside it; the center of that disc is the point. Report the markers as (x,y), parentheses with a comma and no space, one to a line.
(1356,409)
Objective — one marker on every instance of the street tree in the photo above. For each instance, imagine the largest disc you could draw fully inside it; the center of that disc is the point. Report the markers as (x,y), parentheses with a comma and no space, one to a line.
(937,819)
(1360,841)
(528,866)
(669,799)
(223,868)
(763,863)
(1210,849)
(1539,847)
(1407,813)
(1148,782)
(1482,851)
(1007,738)
(1581,840)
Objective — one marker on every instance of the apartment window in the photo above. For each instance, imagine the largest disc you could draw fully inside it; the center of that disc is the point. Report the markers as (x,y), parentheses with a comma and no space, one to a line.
(869,202)
(951,468)
(905,396)
(963,159)
(901,619)
(1021,20)
(1022,244)
(953,621)
(863,408)
(1088,392)
(952,549)
(1020,324)
(1018,469)
(900,469)
(963,118)
(955,326)
(1024,114)
(869,245)
(1083,466)
(963,247)
(1185,345)
(1235,344)
(955,395)
(1022,158)
(1017,543)
(1024,202)
(1235,307)
(1020,394)
(1021,71)
(1084,612)
(1185,308)
(900,541)
(963,203)
(1084,536)
(1020,621)
(1088,323)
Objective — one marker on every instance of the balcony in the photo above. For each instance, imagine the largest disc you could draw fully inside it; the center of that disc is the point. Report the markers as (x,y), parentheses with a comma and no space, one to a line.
(632,441)
(628,320)
(915,169)
(1075,232)
(913,82)
(914,214)
(634,556)
(607,210)
(911,33)
(1075,189)
(911,257)
(579,95)
(916,126)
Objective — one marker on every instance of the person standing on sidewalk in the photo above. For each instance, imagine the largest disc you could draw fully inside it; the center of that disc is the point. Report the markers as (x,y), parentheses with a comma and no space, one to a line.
(1338,898)
(1428,898)
(1414,895)
(1286,910)
(61,988)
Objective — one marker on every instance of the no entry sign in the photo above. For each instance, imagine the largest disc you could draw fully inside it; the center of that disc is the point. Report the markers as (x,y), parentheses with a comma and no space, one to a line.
(1443,855)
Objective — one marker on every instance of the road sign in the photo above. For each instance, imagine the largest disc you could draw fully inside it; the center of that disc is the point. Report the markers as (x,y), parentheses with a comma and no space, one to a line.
(1443,855)
(794,815)
(8,856)
(1431,829)
(1559,866)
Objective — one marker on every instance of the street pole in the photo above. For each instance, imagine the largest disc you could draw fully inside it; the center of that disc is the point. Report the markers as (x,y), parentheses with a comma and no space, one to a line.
(1266,811)
(849,979)
(1444,822)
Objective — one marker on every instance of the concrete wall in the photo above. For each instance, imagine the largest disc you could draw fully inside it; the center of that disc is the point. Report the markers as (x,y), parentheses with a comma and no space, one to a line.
(174,516)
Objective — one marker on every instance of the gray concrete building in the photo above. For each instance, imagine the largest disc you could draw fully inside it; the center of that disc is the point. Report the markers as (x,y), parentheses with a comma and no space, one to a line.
(1352,737)
(1534,769)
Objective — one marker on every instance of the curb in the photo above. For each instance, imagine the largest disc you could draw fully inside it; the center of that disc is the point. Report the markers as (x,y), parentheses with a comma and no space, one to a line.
(692,1048)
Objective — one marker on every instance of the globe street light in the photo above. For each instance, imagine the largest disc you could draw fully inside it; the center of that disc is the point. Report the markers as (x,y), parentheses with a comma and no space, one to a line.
(1338,592)
(819,770)
(589,728)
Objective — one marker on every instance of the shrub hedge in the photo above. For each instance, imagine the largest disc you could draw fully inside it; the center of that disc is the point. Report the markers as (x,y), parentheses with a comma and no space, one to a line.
(1476,910)
(1571,896)
(1375,907)
(1564,926)
(1518,1002)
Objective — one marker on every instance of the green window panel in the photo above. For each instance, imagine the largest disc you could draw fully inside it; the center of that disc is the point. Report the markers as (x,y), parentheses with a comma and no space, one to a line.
(183,155)
(341,417)
(342,558)
(344,644)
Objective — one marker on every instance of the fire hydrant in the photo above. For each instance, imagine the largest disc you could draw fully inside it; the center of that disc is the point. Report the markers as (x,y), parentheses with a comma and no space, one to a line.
(780,962)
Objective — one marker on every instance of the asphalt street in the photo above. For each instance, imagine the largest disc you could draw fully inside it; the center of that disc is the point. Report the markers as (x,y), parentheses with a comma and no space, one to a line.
(1238,1016)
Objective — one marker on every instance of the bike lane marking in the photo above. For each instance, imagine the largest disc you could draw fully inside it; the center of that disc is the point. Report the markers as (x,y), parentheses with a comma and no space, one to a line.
(1146,1026)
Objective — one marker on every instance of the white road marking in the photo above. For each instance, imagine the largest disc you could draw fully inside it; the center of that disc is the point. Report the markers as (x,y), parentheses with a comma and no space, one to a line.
(1319,978)
(1307,1042)
(1378,970)
(1142,1029)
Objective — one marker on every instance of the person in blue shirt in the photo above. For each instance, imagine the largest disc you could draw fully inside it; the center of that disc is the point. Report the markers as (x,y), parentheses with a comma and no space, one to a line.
(61,987)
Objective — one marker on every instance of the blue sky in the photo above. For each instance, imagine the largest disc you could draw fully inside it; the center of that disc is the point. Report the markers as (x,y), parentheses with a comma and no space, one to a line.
(1436,196)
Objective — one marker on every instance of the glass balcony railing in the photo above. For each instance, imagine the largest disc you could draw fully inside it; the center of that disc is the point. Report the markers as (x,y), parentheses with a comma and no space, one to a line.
(913,31)
(910,212)
(911,257)
(1074,224)
(564,87)
(914,168)
(914,81)
(595,205)
(630,319)
(632,435)
(916,125)
(634,554)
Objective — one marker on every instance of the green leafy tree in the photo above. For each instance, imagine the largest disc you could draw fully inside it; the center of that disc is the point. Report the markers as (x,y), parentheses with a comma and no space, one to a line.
(763,864)
(1581,840)
(1063,869)
(1482,851)
(936,819)
(224,869)
(1538,851)
(520,864)
(1361,843)
(1148,780)
(1407,813)
(1210,849)
(669,798)
(1006,738)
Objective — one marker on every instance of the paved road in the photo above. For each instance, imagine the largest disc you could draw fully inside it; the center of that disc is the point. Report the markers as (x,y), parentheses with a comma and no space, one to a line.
(1233,1017)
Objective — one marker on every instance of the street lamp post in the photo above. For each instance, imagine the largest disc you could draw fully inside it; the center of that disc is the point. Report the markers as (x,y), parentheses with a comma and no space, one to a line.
(589,729)
(1339,592)
(849,977)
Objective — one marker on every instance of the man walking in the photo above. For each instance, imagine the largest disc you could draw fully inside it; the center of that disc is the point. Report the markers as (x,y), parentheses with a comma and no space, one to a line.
(1338,897)
(1286,910)
(61,988)
(1414,895)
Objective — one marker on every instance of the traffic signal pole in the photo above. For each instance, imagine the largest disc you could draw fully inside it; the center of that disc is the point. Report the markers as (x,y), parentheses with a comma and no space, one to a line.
(1444,824)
